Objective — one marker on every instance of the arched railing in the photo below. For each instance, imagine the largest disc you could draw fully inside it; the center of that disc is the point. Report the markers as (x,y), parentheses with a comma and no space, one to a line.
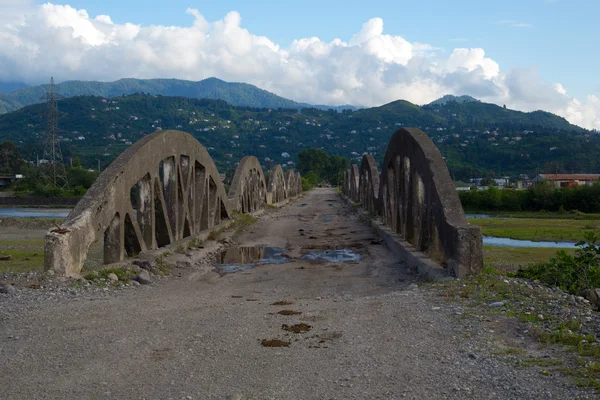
(248,191)
(417,199)
(354,182)
(163,188)
(277,186)
(368,184)
(293,183)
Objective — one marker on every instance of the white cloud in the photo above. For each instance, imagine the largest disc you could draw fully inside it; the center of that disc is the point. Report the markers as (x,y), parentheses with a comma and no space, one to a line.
(371,68)
(515,24)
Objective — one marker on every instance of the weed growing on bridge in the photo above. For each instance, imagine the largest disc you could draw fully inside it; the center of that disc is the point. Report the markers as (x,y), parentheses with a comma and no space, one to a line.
(195,243)
(162,264)
(242,221)
(180,249)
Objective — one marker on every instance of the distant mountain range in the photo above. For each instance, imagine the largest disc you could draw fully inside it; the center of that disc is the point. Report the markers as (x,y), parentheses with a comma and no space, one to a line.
(246,95)
(8,87)
(236,94)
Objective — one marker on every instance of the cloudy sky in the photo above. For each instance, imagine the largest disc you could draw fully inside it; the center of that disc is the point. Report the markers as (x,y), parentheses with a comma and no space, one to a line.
(527,54)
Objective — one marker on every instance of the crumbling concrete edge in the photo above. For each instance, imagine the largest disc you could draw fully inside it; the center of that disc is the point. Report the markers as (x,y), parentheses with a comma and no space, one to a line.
(406,252)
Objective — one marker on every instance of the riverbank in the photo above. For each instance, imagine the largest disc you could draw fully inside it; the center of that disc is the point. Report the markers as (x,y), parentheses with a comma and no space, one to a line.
(536,229)
(535,214)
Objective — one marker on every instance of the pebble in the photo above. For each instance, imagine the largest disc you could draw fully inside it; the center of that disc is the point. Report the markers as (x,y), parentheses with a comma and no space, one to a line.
(144,277)
(113,277)
(8,289)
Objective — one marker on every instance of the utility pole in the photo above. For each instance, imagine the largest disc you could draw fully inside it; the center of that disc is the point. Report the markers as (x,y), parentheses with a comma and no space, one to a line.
(54,172)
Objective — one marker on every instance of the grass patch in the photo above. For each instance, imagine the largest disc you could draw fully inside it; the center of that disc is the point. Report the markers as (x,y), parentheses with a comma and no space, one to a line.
(536,229)
(22,261)
(180,249)
(508,259)
(194,243)
(575,215)
(162,264)
(242,221)
(24,242)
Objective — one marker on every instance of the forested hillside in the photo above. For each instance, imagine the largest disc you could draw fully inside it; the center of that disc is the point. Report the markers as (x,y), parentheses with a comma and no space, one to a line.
(476,139)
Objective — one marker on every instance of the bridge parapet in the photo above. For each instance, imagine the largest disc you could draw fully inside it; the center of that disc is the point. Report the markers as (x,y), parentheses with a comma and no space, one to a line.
(276,188)
(163,188)
(248,191)
(416,199)
(368,185)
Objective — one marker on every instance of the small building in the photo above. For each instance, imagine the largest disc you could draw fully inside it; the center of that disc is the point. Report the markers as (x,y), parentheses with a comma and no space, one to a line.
(6,180)
(568,180)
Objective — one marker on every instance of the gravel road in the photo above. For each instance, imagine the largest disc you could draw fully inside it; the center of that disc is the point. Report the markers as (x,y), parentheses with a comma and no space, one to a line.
(375,332)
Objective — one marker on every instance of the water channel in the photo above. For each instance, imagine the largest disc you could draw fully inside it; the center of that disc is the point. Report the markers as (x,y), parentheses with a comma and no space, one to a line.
(34,212)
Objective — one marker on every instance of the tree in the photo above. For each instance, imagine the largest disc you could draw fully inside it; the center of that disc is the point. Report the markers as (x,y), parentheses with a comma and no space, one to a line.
(315,160)
(335,169)
(11,161)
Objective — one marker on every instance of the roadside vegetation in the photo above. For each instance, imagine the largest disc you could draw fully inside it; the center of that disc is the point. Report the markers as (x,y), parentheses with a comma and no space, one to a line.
(539,197)
(564,326)
(572,273)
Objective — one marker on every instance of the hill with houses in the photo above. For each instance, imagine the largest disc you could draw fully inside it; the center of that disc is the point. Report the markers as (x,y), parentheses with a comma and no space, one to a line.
(475,138)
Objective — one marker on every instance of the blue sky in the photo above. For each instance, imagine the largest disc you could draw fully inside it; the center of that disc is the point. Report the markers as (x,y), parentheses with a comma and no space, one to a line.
(561,37)
(527,54)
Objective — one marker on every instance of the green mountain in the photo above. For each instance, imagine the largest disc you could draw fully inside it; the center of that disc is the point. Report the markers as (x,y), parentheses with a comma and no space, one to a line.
(476,139)
(449,98)
(480,115)
(237,94)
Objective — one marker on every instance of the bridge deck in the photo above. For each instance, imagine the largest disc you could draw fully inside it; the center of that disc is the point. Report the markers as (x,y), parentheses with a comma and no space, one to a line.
(371,337)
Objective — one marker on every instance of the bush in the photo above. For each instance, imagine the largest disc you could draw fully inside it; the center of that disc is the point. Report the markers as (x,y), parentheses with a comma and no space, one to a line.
(538,197)
(571,273)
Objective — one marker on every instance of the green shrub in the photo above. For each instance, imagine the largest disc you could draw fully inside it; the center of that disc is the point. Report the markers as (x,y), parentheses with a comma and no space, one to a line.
(571,273)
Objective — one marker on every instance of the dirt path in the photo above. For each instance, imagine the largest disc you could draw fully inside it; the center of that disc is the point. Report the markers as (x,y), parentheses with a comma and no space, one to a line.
(373,335)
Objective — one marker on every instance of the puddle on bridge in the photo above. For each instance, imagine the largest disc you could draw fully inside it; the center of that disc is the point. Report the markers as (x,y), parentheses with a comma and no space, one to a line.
(240,258)
(334,256)
(328,217)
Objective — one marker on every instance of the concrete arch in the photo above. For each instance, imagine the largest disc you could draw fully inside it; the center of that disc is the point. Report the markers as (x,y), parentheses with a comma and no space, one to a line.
(418,200)
(163,188)
(346,184)
(354,182)
(369,184)
(298,184)
(293,183)
(276,188)
(248,191)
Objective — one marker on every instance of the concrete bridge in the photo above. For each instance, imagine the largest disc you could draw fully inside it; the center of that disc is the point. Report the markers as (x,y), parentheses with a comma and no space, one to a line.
(339,316)
(166,188)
